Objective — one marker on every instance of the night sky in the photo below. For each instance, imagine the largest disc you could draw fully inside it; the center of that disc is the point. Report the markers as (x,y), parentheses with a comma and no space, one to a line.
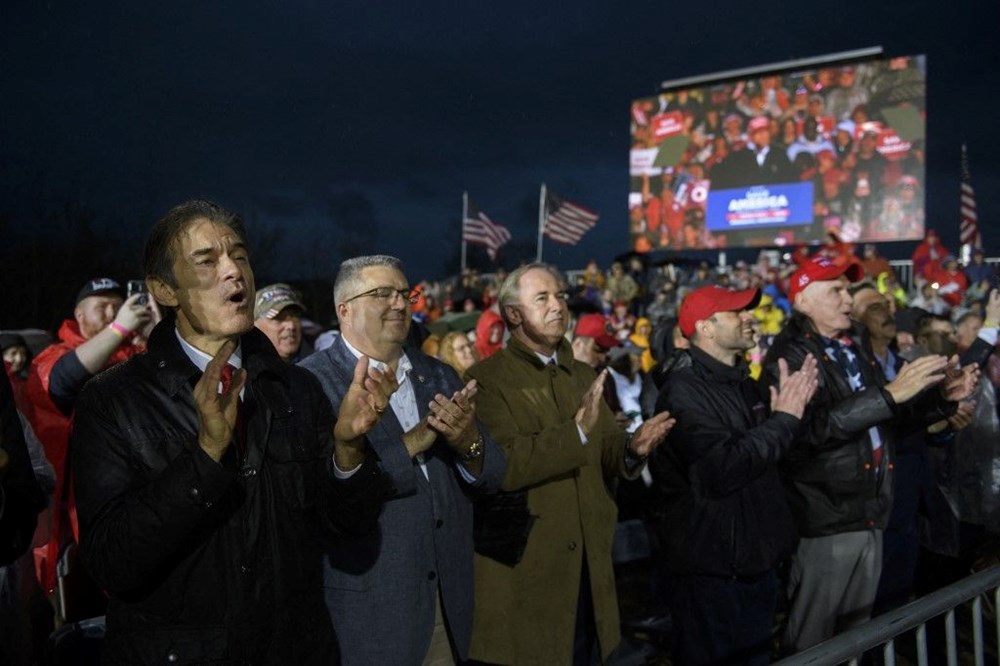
(335,128)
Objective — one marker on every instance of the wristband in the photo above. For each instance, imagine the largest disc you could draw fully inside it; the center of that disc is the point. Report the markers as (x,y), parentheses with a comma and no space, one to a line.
(119,330)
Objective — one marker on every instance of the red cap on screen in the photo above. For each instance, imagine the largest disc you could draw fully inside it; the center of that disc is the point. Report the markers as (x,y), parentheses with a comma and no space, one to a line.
(702,303)
(820,268)
(598,327)
(758,123)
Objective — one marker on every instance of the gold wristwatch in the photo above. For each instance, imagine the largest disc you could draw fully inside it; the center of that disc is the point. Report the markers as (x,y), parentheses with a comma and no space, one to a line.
(475,451)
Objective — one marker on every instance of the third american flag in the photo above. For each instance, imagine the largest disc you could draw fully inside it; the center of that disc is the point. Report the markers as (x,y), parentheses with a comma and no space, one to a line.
(968,229)
(565,221)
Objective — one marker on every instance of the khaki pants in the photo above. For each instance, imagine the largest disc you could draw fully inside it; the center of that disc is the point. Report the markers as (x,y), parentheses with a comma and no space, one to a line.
(439,654)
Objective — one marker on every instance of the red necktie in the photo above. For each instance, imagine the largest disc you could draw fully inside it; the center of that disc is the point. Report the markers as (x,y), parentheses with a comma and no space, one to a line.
(239,433)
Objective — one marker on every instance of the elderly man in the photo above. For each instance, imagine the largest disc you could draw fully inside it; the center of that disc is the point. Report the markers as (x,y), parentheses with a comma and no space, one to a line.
(839,472)
(277,312)
(552,602)
(208,470)
(404,594)
(101,334)
(725,520)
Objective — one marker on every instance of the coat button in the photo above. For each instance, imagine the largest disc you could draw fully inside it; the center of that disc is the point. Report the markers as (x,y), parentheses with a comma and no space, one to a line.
(194,493)
(172,657)
(431,575)
(249,472)
(244,569)
(571,545)
(163,364)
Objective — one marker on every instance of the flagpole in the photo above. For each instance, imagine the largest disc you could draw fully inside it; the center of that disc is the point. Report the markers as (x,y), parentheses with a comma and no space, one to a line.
(541,222)
(465,214)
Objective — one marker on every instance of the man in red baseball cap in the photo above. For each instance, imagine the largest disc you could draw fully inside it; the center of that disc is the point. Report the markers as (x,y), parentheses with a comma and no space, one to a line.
(725,521)
(838,473)
(593,339)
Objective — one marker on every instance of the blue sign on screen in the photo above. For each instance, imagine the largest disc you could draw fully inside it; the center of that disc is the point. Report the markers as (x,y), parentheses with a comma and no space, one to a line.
(760,206)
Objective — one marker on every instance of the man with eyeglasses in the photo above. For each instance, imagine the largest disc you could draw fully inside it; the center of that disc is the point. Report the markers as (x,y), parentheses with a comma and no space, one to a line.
(404,595)
(557,603)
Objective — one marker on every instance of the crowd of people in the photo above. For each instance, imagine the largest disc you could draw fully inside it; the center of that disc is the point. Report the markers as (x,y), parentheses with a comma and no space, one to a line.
(440,477)
(822,127)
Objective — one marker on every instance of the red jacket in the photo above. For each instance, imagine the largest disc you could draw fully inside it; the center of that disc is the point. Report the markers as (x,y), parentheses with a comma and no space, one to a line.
(489,333)
(53,427)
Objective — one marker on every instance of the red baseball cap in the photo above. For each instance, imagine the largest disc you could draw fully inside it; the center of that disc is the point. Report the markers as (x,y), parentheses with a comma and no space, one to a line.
(702,303)
(820,268)
(598,327)
(758,123)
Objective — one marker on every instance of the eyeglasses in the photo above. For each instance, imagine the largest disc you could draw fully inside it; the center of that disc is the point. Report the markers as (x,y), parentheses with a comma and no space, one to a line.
(388,293)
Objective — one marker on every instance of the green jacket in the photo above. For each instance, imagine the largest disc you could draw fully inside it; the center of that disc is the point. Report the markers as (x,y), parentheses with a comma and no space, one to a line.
(526,614)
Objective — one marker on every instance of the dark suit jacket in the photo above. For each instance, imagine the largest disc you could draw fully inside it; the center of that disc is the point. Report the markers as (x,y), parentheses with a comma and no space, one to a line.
(741,169)
(381,590)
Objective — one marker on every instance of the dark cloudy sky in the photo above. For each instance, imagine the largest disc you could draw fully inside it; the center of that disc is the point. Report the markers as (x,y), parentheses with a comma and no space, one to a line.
(360,124)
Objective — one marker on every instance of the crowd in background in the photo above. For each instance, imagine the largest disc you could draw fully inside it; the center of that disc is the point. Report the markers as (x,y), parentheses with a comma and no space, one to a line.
(822,127)
(627,313)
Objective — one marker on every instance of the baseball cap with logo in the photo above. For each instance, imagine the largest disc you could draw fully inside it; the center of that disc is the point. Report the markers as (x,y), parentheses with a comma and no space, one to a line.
(598,327)
(702,303)
(820,268)
(98,287)
(274,298)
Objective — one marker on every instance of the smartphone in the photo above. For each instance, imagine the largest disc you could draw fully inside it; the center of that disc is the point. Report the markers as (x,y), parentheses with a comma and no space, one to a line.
(133,287)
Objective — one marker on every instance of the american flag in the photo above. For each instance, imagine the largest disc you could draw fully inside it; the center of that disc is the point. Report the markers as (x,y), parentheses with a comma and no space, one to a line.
(479,229)
(968,229)
(565,221)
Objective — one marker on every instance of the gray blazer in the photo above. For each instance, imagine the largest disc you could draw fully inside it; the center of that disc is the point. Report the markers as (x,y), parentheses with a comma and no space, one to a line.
(381,589)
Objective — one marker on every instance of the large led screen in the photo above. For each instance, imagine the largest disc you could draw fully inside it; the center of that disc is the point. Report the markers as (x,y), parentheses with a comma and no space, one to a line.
(781,159)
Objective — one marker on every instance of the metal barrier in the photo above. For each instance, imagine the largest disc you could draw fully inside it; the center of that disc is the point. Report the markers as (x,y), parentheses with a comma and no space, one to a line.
(885,629)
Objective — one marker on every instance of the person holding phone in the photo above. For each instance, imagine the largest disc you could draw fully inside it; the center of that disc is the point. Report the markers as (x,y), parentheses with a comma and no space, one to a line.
(106,329)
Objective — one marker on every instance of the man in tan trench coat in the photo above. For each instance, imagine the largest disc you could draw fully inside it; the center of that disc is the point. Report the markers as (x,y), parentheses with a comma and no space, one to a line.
(558,603)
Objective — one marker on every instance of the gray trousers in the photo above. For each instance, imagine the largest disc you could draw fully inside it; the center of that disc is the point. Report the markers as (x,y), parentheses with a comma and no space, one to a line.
(831,586)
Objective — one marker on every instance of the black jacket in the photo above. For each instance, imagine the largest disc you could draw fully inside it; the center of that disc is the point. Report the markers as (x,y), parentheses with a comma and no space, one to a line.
(21,497)
(722,510)
(829,474)
(210,562)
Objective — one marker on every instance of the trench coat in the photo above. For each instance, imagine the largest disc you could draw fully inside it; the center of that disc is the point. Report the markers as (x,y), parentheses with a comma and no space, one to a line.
(526,614)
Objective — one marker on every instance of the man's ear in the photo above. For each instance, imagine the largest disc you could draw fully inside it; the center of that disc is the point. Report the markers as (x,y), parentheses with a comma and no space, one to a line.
(513,315)
(162,292)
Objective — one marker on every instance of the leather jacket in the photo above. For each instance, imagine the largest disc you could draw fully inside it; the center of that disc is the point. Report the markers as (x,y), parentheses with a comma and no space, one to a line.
(205,561)
(830,475)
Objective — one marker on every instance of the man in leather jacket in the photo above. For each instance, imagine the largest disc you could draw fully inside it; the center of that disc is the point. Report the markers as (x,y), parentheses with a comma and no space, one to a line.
(208,470)
(839,472)
(725,521)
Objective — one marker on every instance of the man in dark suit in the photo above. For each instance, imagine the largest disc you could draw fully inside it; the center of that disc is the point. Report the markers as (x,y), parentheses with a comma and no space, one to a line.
(404,595)
(757,164)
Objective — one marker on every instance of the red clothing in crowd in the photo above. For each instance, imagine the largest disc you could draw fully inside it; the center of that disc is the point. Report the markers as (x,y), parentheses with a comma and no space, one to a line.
(928,255)
(951,285)
(53,427)
(489,333)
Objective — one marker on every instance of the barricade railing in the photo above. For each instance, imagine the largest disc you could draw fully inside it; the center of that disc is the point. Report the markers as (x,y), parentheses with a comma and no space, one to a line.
(883,631)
